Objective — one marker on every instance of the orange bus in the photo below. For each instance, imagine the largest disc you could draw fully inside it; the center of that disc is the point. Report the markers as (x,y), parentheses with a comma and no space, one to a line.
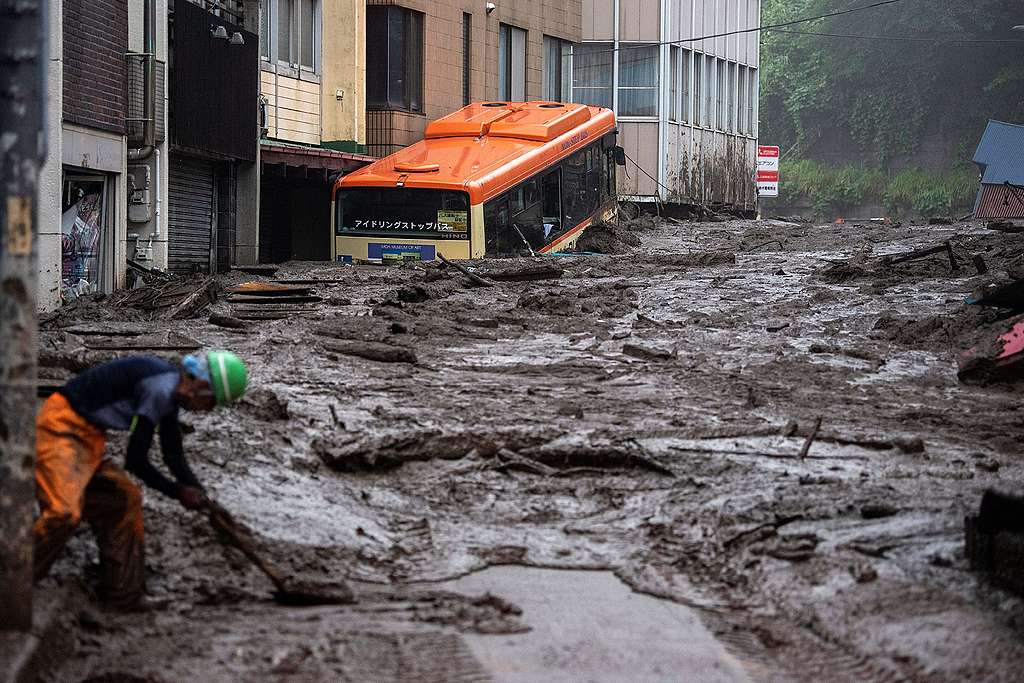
(492,179)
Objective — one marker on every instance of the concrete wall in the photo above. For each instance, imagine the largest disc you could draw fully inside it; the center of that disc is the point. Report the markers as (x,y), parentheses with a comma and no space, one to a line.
(442,70)
(343,109)
(149,246)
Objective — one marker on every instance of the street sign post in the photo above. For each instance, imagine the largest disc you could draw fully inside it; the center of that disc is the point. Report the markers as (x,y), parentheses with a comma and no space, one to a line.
(767,171)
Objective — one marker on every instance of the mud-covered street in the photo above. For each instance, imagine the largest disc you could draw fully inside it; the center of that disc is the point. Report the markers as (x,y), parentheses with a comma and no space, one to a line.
(640,413)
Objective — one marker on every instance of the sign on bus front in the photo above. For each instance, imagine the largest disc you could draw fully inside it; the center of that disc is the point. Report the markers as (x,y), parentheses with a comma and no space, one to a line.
(767,171)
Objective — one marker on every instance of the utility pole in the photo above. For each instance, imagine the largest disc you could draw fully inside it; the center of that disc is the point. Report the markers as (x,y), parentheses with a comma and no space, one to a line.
(22,64)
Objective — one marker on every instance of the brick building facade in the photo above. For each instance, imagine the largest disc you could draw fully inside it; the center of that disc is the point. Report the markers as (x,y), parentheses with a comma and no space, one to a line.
(95,42)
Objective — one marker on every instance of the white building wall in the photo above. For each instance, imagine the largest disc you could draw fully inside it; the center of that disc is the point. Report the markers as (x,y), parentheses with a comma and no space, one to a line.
(695,159)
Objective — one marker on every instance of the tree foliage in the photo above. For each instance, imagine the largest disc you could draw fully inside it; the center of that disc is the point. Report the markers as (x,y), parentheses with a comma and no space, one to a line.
(886,95)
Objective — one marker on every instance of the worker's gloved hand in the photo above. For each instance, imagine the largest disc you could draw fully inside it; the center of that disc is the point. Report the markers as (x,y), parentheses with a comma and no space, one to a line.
(191,497)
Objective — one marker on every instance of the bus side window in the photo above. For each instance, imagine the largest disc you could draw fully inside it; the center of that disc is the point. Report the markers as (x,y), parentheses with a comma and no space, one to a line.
(527,216)
(551,188)
(497,227)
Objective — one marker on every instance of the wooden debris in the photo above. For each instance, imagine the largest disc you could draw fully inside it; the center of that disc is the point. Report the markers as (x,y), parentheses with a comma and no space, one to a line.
(946,247)
(228,322)
(378,351)
(810,439)
(530,271)
(646,353)
(473,277)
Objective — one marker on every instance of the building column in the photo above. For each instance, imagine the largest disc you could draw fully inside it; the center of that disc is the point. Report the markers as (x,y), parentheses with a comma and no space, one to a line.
(247,236)
(50,176)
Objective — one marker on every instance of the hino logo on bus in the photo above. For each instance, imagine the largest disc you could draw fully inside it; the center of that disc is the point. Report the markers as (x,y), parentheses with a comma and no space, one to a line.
(579,137)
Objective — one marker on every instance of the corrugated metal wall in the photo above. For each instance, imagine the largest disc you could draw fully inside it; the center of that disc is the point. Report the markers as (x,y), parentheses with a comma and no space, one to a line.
(190,215)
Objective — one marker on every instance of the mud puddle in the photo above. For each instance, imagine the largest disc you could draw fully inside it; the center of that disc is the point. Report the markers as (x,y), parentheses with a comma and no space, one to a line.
(589,626)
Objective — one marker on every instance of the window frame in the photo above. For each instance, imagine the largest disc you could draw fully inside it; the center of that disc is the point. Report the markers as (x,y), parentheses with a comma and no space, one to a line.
(655,89)
(579,52)
(270,40)
(674,100)
(413,55)
(563,70)
(507,34)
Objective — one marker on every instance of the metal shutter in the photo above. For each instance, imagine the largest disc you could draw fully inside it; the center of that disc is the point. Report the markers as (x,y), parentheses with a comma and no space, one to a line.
(190,219)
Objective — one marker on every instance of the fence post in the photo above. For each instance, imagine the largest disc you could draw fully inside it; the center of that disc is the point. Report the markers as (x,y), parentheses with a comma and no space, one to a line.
(22,64)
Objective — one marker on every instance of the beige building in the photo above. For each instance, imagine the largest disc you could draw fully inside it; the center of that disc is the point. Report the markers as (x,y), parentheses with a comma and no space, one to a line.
(686,105)
(312,83)
(427,58)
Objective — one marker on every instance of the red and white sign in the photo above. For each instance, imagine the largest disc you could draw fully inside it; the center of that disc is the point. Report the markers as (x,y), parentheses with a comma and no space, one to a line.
(767,171)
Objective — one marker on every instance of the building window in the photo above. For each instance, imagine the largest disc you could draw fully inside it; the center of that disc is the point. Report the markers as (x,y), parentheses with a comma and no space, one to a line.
(731,100)
(686,64)
(708,119)
(673,83)
(467,57)
(752,101)
(394,58)
(556,69)
(721,93)
(592,65)
(290,31)
(741,101)
(698,88)
(638,80)
(511,63)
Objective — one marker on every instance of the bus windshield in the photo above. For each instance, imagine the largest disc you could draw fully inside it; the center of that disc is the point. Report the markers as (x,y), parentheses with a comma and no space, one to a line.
(402,212)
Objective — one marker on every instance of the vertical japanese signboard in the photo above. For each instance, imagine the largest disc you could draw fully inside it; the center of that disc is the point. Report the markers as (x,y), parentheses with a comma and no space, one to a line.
(767,171)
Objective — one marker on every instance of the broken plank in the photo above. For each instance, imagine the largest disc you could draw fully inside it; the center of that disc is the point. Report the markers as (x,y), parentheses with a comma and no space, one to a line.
(378,351)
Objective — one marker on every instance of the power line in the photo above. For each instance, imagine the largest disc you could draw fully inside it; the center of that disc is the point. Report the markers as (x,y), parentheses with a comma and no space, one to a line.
(911,39)
(755,29)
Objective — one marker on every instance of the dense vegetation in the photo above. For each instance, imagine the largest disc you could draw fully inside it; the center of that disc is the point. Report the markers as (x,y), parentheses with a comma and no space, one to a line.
(886,99)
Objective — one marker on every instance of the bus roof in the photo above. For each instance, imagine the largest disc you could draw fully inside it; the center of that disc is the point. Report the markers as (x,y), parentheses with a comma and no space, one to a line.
(487,147)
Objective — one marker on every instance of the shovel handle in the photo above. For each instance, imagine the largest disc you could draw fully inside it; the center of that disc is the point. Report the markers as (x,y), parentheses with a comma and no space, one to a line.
(222,521)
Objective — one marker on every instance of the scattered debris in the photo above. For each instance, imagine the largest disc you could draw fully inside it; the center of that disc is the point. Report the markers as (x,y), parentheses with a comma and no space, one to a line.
(171,299)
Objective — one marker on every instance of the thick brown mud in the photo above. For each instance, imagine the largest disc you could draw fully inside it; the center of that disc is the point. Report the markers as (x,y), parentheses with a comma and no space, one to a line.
(641,413)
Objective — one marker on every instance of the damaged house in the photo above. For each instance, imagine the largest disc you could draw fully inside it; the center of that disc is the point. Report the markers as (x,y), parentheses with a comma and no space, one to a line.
(1000,158)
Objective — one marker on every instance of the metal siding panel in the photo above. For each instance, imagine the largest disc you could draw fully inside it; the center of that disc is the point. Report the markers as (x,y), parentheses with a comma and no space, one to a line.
(1000,201)
(649,28)
(628,175)
(629,19)
(190,215)
(602,23)
(647,139)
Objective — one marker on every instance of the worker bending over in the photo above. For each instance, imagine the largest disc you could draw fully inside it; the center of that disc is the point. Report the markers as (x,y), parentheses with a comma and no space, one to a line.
(74,481)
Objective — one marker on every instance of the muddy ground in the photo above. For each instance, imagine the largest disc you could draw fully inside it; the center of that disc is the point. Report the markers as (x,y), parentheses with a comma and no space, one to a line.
(642,413)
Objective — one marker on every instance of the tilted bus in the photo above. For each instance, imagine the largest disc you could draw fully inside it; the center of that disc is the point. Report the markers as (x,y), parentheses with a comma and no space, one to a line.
(492,179)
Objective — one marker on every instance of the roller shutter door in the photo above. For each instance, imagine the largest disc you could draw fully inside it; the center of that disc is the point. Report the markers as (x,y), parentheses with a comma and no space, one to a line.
(190,219)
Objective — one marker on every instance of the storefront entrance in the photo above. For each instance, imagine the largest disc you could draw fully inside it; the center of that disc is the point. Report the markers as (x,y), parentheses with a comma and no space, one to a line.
(87,235)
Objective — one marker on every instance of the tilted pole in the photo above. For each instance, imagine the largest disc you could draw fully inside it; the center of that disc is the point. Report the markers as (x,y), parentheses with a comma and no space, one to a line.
(22,60)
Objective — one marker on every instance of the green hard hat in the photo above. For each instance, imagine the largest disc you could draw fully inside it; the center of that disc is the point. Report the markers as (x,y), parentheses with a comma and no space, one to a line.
(228,376)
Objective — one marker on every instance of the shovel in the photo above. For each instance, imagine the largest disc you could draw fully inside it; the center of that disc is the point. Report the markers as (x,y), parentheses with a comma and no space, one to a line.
(289,591)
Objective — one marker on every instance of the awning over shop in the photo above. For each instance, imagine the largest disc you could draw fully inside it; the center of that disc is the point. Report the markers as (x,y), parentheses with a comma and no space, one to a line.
(312,158)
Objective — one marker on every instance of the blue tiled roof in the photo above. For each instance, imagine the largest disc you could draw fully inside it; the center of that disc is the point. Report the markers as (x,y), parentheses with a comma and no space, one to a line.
(1000,153)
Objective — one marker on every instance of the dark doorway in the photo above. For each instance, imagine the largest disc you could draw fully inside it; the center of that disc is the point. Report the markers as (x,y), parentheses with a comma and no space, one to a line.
(295,217)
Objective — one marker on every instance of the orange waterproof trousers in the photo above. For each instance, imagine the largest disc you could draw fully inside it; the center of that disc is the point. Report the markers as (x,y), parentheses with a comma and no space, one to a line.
(73,482)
